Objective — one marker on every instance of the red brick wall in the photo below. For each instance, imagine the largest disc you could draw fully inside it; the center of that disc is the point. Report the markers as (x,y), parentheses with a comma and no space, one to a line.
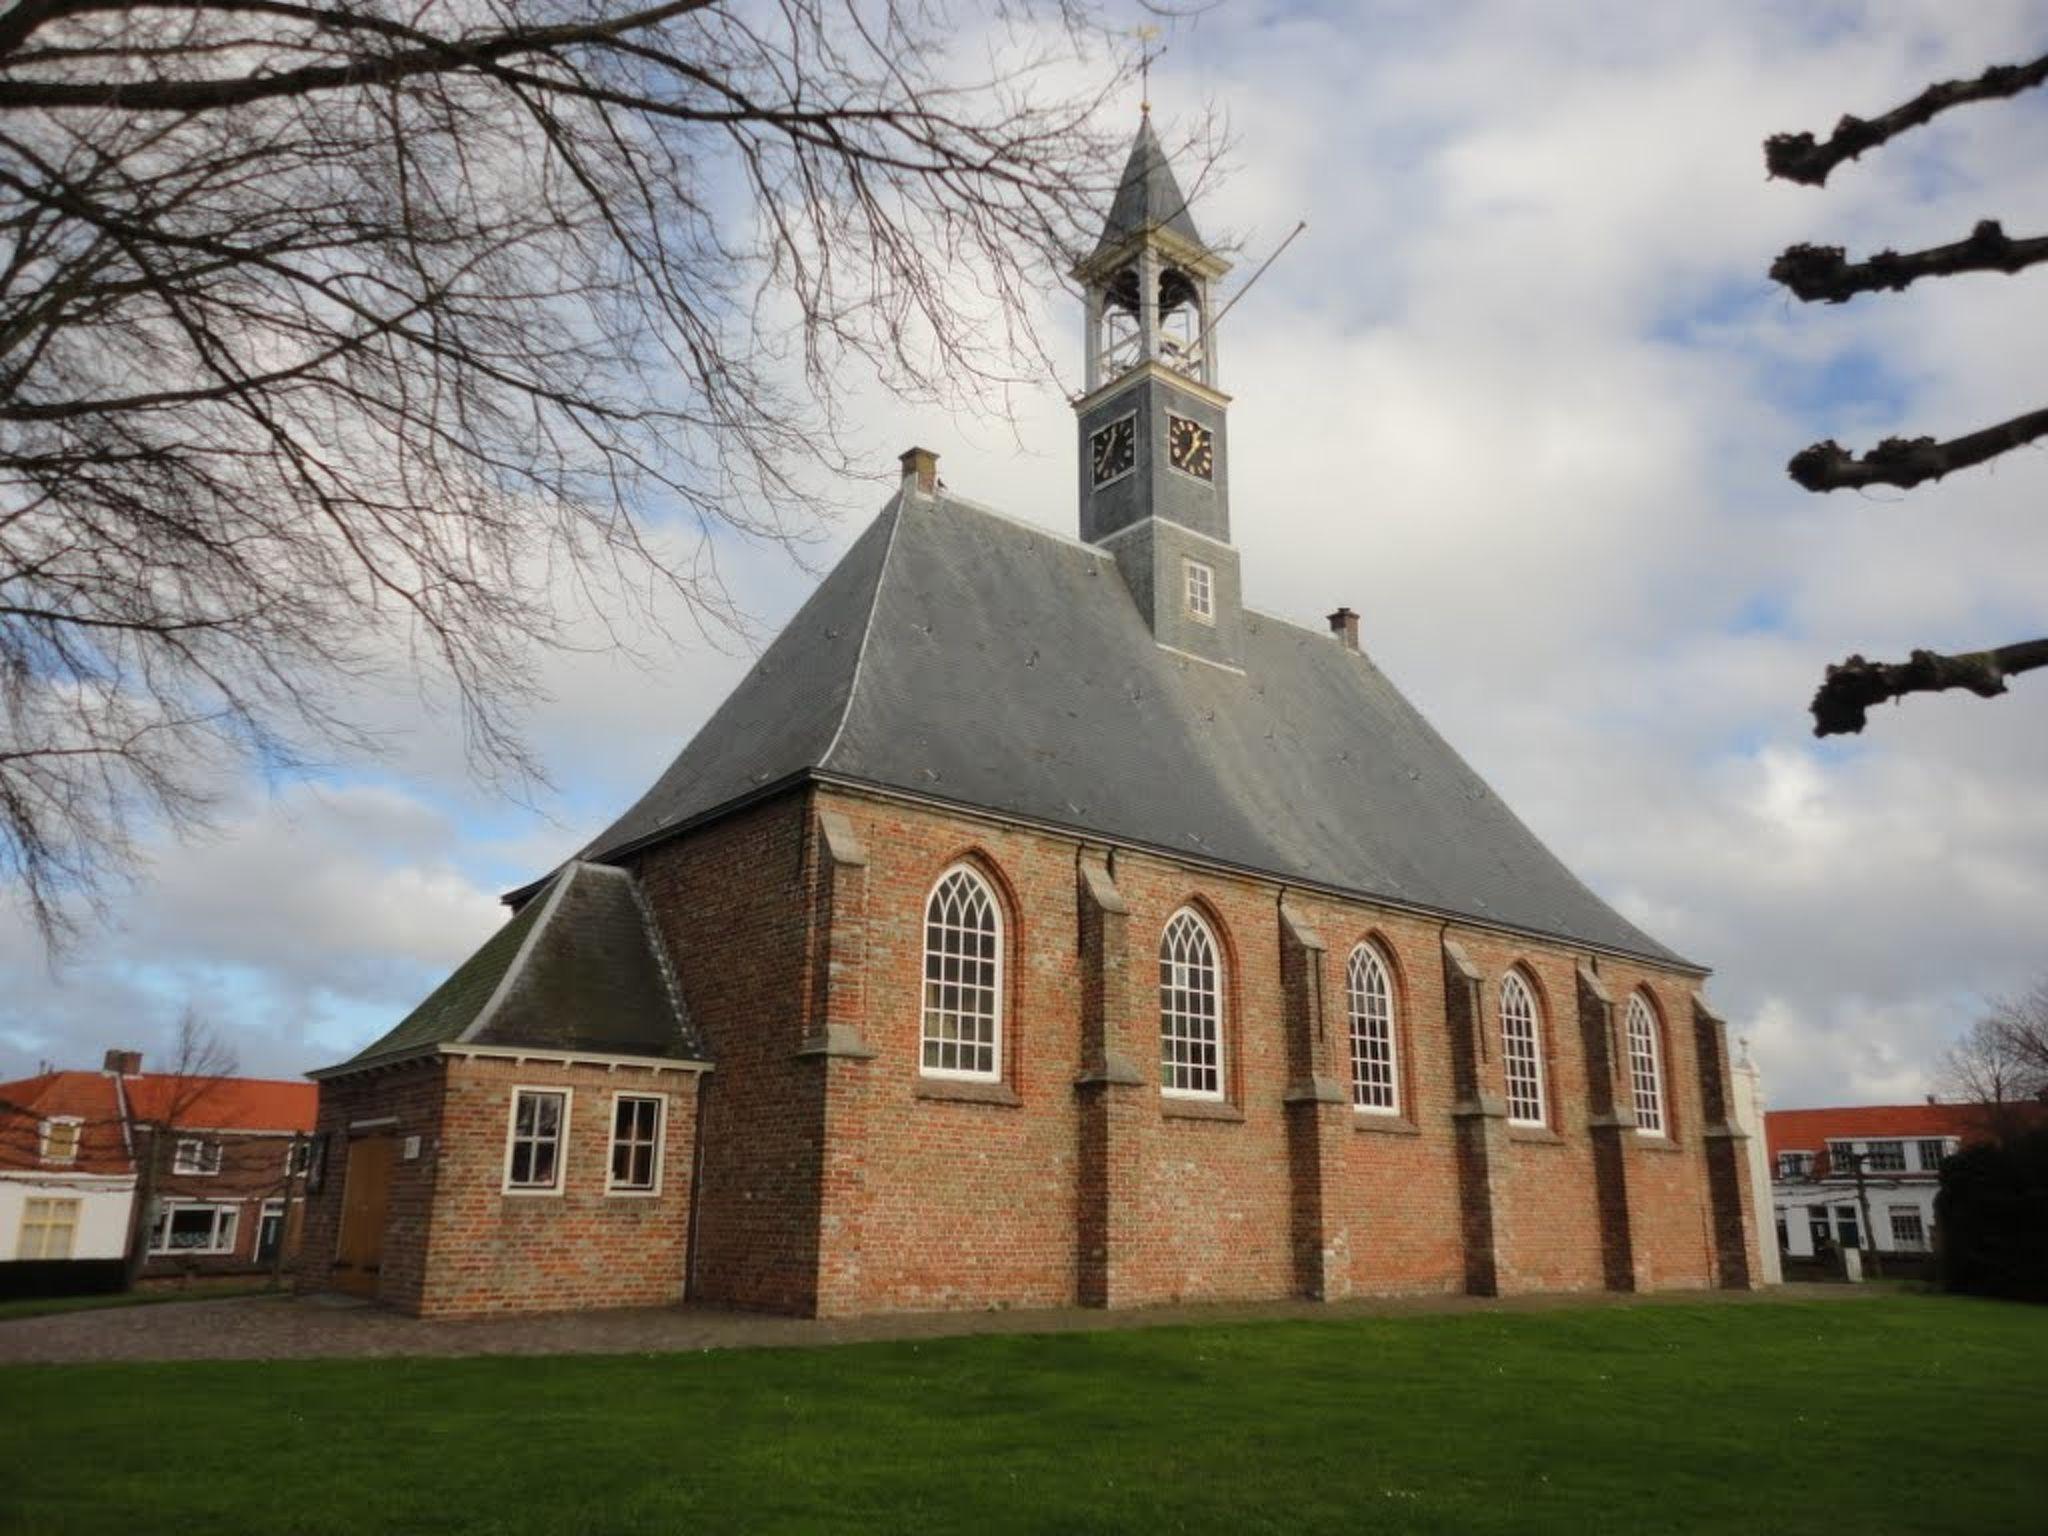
(493,1251)
(409,1097)
(252,1170)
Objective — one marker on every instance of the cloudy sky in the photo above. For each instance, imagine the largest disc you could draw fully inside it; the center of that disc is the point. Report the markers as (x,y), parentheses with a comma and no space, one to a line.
(1522,396)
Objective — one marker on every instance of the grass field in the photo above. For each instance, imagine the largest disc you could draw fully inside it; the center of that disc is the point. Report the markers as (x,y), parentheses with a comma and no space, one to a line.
(1901,1415)
(45,1306)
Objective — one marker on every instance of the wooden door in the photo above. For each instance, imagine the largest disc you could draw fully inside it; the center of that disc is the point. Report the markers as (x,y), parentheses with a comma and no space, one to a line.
(365,1196)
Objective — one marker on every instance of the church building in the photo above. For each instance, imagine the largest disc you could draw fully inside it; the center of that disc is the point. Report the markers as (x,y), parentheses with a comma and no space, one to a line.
(1040,923)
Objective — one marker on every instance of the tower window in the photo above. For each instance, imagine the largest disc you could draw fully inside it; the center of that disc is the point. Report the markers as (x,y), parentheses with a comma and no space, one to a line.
(1201,582)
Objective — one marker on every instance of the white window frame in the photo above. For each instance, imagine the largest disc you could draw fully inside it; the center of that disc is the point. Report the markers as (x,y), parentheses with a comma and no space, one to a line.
(1512,985)
(1646,1068)
(160,1229)
(1871,1154)
(1919,1242)
(298,1157)
(43,1139)
(1359,999)
(1173,1021)
(931,1013)
(1788,1169)
(1920,1146)
(1198,589)
(611,1162)
(72,1207)
(203,1161)
(568,1098)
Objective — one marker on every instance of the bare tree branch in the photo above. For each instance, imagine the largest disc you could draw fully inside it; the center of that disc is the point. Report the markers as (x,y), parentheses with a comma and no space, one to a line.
(1907,461)
(1797,157)
(1853,686)
(1823,272)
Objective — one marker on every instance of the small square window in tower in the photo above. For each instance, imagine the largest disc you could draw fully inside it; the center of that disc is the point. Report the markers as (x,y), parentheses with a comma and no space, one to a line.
(1201,587)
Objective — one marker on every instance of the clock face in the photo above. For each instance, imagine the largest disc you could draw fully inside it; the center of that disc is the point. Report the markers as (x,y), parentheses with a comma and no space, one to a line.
(1189,448)
(1113,450)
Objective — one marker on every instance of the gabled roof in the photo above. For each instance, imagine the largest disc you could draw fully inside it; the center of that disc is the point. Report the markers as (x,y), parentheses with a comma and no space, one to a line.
(1810,1130)
(87,1097)
(1148,196)
(579,968)
(960,656)
(223,1103)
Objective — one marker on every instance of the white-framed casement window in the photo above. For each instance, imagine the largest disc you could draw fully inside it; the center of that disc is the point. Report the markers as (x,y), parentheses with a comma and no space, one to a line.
(1201,590)
(536,1141)
(1645,1067)
(298,1157)
(1369,999)
(638,1120)
(1931,1154)
(196,1155)
(1909,1229)
(1794,1165)
(1521,1050)
(962,1031)
(1190,1009)
(1884,1157)
(193,1226)
(49,1228)
(57,1139)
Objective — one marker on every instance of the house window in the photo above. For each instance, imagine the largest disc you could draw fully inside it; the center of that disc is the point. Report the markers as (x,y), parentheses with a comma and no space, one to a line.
(1817,1227)
(1931,1155)
(1885,1157)
(1848,1232)
(1841,1160)
(1909,1231)
(636,1143)
(963,965)
(196,1156)
(49,1228)
(1645,1067)
(1794,1165)
(184,1227)
(533,1151)
(58,1142)
(1190,1010)
(1201,591)
(1370,997)
(1521,1051)
(298,1157)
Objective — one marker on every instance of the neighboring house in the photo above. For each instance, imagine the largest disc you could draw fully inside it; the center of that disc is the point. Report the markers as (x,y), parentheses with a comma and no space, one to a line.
(67,1183)
(1813,1156)
(1038,923)
(76,1147)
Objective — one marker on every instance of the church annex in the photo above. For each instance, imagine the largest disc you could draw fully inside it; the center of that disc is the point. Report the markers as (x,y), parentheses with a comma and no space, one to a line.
(1039,923)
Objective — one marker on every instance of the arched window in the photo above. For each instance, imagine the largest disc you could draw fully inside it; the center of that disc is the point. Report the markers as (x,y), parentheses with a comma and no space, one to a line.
(1645,1067)
(1521,1050)
(1190,1010)
(963,978)
(1369,996)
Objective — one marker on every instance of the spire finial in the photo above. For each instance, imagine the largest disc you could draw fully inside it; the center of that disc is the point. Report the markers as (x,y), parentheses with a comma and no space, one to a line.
(1146,55)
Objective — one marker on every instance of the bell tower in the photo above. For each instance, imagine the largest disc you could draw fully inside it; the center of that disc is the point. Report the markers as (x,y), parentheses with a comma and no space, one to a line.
(1154,472)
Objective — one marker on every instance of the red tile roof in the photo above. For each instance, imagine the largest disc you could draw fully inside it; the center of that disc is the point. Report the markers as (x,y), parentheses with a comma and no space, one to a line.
(85,1096)
(1809,1130)
(224,1103)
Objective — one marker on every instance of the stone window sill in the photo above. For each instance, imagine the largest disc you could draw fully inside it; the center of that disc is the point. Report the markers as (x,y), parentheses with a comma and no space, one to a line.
(961,1091)
(1535,1135)
(1201,1109)
(1657,1144)
(1384,1125)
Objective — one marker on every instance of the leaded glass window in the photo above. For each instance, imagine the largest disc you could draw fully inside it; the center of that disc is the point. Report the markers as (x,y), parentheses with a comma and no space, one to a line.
(1190,1010)
(1521,1051)
(1369,996)
(963,962)
(1645,1067)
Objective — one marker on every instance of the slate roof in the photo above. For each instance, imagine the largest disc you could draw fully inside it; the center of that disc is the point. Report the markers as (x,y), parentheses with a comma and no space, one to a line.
(962,656)
(1148,196)
(577,968)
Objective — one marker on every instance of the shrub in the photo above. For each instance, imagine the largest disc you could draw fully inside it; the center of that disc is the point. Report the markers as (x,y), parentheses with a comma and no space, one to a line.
(1992,1214)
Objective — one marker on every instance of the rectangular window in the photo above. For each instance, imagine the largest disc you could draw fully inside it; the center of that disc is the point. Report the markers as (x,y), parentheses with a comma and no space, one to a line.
(1794,1165)
(533,1151)
(48,1229)
(1909,1232)
(195,1156)
(59,1140)
(298,1157)
(1201,591)
(1847,1230)
(636,1143)
(192,1228)
(1841,1159)
(1884,1157)
(1931,1155)
(1817,1227)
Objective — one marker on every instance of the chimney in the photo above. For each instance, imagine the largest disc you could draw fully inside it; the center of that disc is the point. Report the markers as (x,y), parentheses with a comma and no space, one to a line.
(1344,625)
(920,470)
(124,1063)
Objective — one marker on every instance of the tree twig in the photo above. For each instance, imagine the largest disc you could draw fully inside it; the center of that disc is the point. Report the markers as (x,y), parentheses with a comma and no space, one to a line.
(1822,271)
(1907,461)
(1853,686)
(1797,157)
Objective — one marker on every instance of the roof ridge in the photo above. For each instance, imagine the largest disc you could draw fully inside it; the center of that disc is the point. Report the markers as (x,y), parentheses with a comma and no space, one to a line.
(894,510)
(564,877)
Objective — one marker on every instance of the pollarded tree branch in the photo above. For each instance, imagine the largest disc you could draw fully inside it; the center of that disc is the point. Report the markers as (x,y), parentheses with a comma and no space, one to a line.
(1796,157)
(1823,272)
(1852,686)
(1907,461)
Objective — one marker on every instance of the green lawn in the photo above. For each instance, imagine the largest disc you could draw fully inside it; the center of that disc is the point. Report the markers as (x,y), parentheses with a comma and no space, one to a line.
(43,1306)
(1906,1414)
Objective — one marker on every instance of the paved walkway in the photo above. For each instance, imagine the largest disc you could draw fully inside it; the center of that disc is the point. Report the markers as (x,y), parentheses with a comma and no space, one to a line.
(290,1328)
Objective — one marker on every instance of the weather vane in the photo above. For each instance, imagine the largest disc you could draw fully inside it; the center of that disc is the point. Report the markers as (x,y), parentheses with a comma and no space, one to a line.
(1146,55)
